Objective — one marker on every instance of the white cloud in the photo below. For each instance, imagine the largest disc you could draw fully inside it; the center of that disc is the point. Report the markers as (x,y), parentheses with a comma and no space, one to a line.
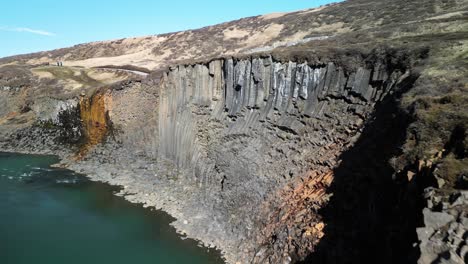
(28,30)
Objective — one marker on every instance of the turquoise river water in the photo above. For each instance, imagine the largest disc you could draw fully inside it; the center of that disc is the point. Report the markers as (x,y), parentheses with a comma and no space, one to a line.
(55,216)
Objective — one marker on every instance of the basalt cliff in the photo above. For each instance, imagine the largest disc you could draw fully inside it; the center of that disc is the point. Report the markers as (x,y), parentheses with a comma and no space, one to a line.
(329,135)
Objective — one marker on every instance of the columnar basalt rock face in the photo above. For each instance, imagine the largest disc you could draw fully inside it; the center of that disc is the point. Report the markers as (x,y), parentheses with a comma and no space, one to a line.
(241,151)
(242,129)
(258,93)
(200,87)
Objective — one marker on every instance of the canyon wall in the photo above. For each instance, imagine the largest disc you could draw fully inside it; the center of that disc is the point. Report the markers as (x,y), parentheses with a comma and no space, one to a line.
(233,139)
(268,160)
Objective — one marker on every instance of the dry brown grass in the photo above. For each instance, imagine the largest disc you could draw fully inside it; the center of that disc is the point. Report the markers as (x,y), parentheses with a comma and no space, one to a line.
(363,16)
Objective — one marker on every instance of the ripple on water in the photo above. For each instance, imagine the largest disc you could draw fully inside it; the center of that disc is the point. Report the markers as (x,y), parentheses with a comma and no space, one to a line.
(69,181)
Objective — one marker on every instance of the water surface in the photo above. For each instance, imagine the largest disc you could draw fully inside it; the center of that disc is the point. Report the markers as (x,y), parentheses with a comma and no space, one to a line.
(54,216)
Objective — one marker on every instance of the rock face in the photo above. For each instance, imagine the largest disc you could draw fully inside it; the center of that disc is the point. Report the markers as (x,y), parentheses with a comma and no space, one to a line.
(271,101)
(94,117)
(235,136)
(247,147)
(49,110)
(252,156)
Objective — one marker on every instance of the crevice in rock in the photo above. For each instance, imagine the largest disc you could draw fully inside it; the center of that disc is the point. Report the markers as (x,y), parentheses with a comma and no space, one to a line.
(455,144)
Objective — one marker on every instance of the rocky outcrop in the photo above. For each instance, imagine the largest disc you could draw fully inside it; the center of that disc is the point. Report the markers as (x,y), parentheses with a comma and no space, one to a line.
(247,154)
(444,234)
(243,152)
(240,130)
(246,147)
(256,93)
(49,109)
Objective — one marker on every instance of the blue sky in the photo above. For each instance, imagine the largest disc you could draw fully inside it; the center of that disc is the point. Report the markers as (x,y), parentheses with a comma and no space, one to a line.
(29,26)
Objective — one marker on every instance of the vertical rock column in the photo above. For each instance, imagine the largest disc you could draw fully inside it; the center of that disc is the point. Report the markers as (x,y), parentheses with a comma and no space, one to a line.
(187,92)
(253,90)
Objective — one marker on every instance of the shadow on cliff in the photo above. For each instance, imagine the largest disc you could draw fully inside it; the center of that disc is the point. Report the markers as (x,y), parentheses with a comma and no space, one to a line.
(373,213)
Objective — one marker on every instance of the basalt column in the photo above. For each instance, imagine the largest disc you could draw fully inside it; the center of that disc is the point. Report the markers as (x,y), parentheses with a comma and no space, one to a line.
(245,132)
